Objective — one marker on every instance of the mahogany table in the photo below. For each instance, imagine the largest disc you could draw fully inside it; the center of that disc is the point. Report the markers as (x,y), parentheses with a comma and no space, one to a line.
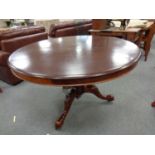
(75,63)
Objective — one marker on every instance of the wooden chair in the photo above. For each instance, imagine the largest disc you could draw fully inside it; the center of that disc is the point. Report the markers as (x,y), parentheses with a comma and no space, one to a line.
(145,39)
(141,35)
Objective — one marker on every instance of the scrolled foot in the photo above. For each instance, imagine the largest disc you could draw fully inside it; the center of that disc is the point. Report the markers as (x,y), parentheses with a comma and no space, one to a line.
(60,120)
(94,90)
(153,104)
(109,98)
(58,124)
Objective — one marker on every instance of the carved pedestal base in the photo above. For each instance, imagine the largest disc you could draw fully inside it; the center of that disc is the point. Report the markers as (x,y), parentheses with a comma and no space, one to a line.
(153,104)
(76,92)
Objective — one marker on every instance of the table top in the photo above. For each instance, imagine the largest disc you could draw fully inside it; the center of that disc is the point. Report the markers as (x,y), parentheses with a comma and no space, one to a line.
(75,60)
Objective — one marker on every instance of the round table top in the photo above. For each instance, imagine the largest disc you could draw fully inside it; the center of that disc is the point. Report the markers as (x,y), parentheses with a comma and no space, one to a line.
(74,60)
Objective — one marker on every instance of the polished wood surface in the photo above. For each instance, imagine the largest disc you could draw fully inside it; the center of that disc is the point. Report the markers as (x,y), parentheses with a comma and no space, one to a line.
(74,60)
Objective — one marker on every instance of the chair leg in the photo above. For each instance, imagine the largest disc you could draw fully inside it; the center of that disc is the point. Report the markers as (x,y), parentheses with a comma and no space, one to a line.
(1,90)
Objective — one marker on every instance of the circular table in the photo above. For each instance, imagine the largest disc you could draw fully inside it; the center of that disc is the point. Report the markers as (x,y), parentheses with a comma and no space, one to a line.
(75,63)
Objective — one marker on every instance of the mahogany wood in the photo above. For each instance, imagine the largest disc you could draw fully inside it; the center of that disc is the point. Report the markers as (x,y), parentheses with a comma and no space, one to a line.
(75,82)
(76,92)
(75,62)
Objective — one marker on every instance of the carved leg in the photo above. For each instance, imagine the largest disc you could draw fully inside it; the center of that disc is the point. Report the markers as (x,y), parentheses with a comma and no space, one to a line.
(153,104)
(94,90)
(76,92)
(68,102)
(1,90)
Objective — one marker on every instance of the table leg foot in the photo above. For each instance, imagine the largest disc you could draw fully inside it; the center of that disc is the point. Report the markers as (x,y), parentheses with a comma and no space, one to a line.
(153,104)
(94,90)
(60,121)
